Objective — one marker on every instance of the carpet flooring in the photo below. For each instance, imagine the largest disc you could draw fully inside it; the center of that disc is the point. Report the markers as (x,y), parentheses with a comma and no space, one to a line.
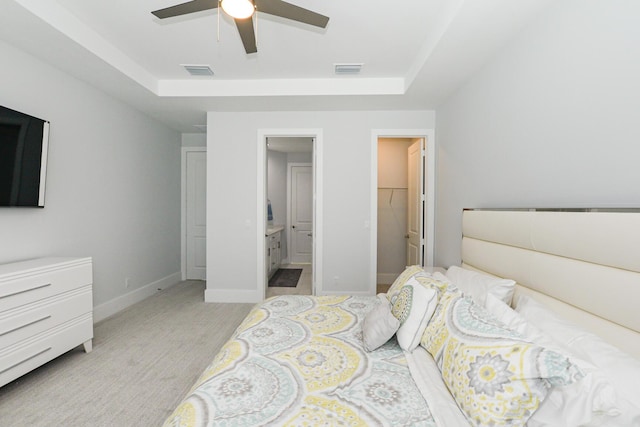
(144,361)
(285,278)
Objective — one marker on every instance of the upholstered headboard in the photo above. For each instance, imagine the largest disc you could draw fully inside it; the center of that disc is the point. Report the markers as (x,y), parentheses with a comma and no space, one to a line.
(585,265)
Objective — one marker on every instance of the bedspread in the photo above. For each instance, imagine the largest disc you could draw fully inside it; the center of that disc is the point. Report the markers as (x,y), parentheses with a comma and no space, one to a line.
(299,360)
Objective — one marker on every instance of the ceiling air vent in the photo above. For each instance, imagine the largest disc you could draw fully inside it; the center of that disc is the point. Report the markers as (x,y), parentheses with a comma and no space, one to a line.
(347,68)
(198,70)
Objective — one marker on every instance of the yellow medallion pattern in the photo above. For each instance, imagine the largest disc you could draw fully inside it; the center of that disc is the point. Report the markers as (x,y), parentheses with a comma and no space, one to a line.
(324,363)
(300,361)
(318,411)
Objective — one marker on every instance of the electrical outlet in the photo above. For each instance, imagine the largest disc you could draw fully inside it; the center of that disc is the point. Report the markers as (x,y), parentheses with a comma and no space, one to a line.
(127,282)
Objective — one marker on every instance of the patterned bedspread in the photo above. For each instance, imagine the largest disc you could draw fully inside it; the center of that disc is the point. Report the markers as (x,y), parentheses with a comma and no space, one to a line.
(299,361)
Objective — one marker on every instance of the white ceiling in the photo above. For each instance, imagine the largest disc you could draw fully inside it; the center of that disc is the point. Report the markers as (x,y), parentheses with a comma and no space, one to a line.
(415,53)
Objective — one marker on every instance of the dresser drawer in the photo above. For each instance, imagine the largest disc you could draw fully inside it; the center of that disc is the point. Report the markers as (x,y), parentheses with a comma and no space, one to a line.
(19,359)
(21,289)
(30,319)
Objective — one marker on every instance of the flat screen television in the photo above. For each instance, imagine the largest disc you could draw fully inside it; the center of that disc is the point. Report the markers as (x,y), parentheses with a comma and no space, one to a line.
(24,141)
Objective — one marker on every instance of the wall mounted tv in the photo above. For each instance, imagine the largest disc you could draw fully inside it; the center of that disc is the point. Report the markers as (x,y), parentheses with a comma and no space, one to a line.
(24,142)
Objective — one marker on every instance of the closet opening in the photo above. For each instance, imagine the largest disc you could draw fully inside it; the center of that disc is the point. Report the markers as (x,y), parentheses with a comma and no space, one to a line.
(402,204)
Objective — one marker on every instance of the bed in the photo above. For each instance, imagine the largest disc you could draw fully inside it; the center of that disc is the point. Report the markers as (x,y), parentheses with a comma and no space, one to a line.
(538,326)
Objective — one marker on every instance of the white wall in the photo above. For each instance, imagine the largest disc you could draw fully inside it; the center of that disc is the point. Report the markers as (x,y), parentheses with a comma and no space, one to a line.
(552,121)
(232,194)
(113,184)
(277,185)
(194,139)
(299,157)
(277,192)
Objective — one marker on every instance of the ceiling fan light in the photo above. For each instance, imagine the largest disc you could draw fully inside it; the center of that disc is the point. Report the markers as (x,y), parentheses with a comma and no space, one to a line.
(238,9)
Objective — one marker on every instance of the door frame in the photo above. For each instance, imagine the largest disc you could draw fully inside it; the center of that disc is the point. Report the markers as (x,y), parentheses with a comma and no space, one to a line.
(261,218)
(289,239)
(183,207)
(429,226)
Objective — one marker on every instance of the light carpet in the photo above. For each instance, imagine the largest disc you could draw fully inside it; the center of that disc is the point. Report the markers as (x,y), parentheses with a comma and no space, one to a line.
(144,361)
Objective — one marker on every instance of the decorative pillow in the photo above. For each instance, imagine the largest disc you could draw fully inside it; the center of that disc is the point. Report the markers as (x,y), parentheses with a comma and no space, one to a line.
(400,281)
(433,282)
(478,285)
(379,325)
(496,377)
(413,305)
(590,401)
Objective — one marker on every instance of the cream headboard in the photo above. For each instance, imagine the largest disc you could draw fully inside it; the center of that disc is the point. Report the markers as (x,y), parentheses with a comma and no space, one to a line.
(584,265)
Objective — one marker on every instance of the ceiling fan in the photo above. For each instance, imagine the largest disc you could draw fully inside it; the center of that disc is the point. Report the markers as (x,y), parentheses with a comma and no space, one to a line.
(242,12)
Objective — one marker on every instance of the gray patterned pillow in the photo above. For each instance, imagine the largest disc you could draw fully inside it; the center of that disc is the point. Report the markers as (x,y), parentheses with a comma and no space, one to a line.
(379,325)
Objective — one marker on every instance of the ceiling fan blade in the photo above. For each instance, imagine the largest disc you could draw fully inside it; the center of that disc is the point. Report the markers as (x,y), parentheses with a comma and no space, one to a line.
(248,36)
(293,12)
(185,8)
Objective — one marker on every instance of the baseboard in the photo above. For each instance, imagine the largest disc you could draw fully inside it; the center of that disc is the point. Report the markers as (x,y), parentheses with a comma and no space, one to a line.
(117,304)
(386,278)
(233,296)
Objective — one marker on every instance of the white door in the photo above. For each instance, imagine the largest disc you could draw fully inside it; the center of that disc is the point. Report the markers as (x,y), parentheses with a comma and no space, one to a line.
(415,207)
(301,213)
(196,215)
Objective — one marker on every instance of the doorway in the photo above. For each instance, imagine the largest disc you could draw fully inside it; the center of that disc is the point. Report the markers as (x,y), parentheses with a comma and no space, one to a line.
(394,209)
(292,194)
(402,210)
(300,212)
(194,213)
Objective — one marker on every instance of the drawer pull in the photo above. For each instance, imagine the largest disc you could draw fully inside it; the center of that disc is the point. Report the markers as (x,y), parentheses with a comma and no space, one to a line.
(25,290)
(25,325)
(25,360)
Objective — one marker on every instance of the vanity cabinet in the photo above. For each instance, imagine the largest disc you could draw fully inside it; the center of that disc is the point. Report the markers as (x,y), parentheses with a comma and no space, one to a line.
(46,309)
(273,250)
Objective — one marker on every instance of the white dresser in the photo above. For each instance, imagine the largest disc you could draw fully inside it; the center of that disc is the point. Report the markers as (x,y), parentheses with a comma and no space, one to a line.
(46,309)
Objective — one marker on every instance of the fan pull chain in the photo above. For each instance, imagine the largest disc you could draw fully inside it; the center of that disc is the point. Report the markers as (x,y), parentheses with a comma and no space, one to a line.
(219,12)
(256,26)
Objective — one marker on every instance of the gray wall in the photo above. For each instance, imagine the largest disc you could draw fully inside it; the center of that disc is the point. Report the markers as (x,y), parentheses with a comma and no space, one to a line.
(232,193)
(113,182)
(551,121)
(194,139)
(277,192)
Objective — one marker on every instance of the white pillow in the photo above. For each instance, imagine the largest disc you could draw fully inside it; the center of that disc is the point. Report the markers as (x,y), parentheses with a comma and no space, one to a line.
(622,369)
(413,305)
(379,325)
(441,277)
(591,401)
(478,285)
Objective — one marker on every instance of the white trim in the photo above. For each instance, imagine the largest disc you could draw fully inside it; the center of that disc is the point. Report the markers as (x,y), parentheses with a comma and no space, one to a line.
(118,304)
(261,218)
(318,209)
(429,138)
(289,167)
(183,207)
